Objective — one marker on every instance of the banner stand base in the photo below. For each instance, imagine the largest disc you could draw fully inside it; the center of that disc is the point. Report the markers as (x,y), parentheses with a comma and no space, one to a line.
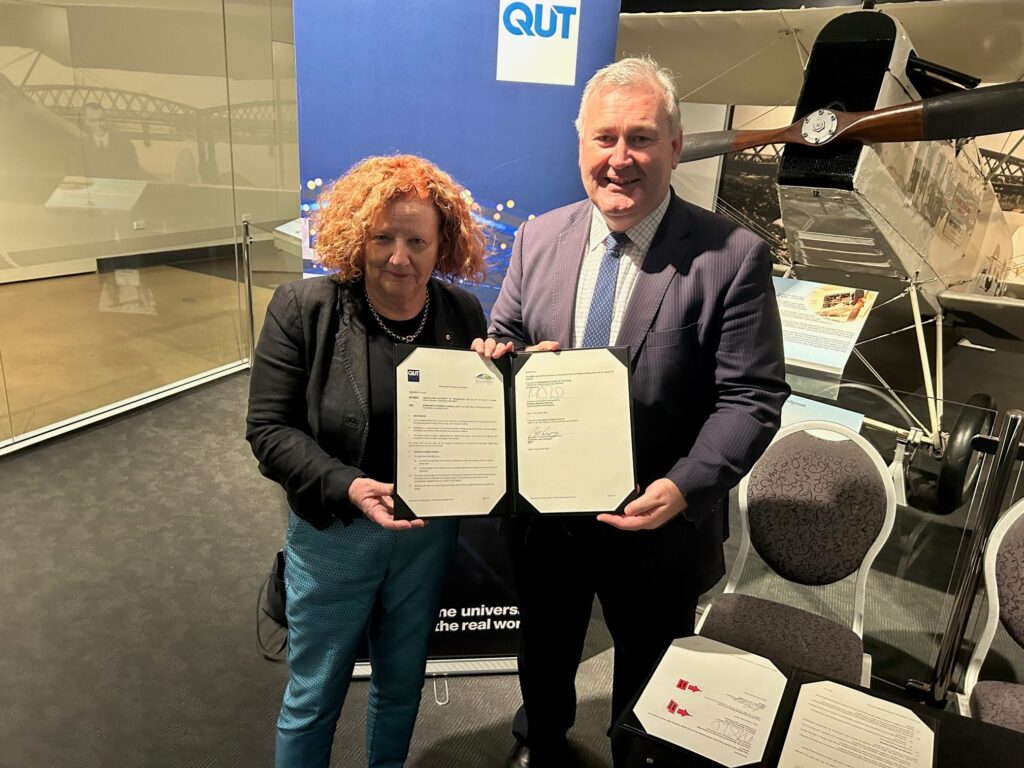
(489,665)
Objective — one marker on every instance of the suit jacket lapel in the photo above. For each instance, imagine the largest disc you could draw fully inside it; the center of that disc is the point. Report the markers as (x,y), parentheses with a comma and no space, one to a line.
(670,254)
(565,272)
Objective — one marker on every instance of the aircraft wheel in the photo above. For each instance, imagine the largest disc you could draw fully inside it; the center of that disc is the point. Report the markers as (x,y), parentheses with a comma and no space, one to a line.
(961,465)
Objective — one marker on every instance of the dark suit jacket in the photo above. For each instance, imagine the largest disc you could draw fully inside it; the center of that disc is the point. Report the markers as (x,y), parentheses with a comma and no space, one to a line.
(309,391)
(703,328)
(118,160)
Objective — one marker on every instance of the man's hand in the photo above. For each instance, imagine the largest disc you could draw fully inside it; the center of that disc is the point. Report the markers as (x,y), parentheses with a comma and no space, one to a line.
(374,500)
(490,348)
(659,503)
(543,346)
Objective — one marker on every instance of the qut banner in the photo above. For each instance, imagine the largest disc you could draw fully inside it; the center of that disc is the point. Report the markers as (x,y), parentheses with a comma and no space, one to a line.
(488,90)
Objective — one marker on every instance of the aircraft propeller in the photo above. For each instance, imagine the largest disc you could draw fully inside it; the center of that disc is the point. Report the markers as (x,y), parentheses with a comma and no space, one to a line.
(977,112)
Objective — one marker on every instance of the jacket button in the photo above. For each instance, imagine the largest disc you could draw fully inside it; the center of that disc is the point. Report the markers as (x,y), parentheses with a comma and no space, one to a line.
(447,337)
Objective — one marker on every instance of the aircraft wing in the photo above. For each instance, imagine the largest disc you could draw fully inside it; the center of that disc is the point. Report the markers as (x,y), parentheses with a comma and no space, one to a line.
(996,321)
(757,57)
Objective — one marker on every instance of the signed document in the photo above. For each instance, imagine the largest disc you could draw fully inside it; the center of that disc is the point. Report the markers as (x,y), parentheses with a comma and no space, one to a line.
(575,440)
(530,433)
(713,700)
(836,725)
(450,433)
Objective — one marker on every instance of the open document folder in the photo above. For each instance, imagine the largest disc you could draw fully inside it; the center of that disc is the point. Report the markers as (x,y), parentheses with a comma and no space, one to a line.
(707,703)
(530,433)
(712,699)
(833,724)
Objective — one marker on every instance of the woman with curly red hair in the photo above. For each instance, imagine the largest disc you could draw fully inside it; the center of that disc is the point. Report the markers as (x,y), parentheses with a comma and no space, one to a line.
(321,424)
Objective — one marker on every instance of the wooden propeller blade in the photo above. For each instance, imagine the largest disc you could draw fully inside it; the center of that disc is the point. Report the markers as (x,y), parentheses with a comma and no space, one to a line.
(978,112)
(700,146)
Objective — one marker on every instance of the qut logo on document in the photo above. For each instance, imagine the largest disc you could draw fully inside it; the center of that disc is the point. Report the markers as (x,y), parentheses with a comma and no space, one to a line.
(537,42)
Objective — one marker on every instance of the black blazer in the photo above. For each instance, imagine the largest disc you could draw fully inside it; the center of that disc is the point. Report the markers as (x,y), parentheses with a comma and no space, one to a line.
(308,415)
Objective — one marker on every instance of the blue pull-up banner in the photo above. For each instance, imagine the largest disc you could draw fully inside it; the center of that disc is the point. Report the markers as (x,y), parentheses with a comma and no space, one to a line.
(488,90)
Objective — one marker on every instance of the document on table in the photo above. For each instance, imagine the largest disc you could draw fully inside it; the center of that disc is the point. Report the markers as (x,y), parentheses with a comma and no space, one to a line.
(574,430)
(530,433)
(96,193)
(450,433)
(713,700)
(833,725)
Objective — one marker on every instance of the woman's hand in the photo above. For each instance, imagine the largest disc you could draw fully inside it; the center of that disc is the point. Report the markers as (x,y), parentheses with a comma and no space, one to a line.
(374,500)
(490,348)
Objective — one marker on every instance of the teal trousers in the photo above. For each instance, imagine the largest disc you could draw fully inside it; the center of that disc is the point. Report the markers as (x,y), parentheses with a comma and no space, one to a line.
(345,583)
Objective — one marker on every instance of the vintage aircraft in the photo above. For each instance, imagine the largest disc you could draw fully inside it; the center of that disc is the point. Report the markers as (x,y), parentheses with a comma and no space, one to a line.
(880,177)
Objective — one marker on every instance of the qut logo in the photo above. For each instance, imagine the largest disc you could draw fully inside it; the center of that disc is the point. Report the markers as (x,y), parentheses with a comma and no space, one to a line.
(537,41)
(522,19)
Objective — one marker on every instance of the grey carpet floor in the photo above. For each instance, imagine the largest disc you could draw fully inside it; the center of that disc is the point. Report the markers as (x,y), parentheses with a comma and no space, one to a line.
(131,553)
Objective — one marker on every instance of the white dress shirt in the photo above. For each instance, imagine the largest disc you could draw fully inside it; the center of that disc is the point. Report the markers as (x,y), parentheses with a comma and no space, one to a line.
(630,260)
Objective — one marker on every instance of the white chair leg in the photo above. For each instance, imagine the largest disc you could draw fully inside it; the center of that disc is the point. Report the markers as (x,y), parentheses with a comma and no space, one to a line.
(865,671)
(700,621)
(963,704)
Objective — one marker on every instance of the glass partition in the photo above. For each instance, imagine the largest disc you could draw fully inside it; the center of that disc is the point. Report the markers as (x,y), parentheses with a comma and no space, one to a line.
(5,414)
(1005,657)
(915,579)
(134,138)
(276,256)
(264,139)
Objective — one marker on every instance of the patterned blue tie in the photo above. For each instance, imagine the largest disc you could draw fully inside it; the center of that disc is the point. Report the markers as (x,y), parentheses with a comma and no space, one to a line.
(599,321)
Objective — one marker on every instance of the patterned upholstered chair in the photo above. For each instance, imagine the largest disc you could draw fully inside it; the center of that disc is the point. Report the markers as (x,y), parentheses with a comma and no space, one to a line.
(993,701)
(817,507)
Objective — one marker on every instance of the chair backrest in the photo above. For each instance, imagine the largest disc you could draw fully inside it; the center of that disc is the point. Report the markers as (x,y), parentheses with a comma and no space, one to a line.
(817,507)
(1004,587)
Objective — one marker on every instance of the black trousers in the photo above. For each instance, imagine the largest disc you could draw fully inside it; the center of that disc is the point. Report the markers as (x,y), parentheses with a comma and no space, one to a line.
(560,564)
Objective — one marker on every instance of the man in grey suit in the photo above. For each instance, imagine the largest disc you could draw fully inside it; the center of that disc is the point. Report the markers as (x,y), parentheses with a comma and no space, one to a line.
(691,295)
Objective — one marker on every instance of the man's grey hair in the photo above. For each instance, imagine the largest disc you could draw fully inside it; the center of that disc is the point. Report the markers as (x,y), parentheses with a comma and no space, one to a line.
(633,72)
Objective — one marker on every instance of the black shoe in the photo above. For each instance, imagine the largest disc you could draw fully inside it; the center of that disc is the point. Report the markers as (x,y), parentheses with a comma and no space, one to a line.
(520,757)
(561,757)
